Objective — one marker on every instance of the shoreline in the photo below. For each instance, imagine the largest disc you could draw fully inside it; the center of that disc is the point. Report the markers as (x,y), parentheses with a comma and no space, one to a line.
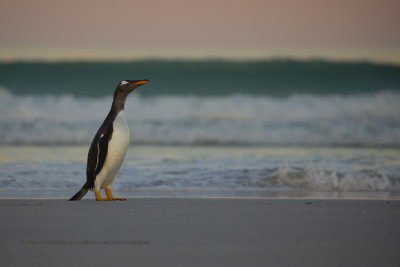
(200,232)
(346,198)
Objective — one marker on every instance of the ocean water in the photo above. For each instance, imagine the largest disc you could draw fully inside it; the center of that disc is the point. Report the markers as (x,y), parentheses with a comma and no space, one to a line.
(208,171)
(206,128)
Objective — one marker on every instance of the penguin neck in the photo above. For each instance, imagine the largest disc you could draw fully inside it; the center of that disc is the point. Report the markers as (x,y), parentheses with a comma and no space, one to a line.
(118,103)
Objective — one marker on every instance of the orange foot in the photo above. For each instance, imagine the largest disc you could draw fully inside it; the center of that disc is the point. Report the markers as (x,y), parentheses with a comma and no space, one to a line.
(111,197)
(98,196)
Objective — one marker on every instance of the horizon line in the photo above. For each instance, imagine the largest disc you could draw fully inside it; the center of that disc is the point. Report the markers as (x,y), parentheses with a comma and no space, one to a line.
(199,59)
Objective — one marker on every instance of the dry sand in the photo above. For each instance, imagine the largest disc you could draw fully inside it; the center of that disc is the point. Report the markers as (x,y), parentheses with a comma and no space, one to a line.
(200,232)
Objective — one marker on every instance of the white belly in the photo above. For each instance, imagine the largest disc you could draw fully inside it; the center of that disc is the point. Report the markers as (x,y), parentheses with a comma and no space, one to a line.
(116,152)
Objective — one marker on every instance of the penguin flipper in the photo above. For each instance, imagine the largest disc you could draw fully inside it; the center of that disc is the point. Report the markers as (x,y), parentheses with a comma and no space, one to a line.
(97,154)
(96,158)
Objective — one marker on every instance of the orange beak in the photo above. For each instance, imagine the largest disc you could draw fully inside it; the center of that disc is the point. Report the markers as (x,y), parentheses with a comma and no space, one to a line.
(139,83)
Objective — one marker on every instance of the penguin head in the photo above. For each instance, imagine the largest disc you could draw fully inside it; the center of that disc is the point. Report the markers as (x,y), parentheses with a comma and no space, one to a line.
(127,86)
(122,91)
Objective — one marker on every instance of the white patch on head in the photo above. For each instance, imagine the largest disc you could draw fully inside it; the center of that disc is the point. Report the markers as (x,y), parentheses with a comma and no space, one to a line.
(123,82)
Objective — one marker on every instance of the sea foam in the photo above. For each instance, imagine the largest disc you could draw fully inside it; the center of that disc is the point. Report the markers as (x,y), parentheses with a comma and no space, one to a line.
(361,120)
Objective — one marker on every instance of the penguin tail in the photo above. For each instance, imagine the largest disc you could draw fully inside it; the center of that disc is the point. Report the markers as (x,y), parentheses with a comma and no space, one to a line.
(81,193)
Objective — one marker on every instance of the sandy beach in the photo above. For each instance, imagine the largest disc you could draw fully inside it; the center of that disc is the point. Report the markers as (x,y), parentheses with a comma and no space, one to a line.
(200,232)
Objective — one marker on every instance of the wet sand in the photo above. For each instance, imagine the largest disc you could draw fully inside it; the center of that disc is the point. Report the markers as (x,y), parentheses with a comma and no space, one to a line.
(200,232)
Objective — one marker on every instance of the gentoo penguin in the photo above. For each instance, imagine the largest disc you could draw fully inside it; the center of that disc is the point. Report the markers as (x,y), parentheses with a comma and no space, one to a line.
(109,146)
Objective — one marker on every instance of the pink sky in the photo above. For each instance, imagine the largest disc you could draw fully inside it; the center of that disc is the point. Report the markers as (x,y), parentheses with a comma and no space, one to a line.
(52,29)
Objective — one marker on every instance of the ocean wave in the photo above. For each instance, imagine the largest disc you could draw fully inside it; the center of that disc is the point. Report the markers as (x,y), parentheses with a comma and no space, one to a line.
(274,179)
(275,77)
(361,120)
(281,178)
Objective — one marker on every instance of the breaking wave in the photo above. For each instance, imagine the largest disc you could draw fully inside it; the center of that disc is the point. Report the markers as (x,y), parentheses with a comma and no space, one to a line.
(189,181)
(347,120)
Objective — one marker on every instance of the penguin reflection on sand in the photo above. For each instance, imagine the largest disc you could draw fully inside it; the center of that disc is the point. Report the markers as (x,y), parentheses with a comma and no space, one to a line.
(109,146)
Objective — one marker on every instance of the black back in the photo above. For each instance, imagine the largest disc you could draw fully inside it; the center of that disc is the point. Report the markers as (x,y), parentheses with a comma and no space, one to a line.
(98,149)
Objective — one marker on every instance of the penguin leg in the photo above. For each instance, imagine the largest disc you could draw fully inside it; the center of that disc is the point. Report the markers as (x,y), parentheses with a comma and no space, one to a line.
(110,196)
(98,196)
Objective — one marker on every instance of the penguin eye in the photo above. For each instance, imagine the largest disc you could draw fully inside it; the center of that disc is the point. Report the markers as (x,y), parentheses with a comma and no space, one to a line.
(123,82)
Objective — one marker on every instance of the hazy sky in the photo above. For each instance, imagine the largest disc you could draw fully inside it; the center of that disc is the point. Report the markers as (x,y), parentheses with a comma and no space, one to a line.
(52,29)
